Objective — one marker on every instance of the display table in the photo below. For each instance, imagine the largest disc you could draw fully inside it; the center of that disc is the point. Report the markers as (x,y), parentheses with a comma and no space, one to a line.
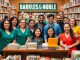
(56,53)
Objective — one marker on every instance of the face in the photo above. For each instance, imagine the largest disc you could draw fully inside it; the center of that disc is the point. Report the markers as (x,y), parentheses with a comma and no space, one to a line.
(72,22)
(41,19)
(50,32)
(31,24)
(58,18)
(14,22)
(37,32)
(22,24)
(66,28)
(51,20)
(66,20)
(6,25)
(30,15)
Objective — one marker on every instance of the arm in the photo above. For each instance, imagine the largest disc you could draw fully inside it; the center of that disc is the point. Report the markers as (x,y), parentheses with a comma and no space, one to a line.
(28,40)
(75,44)
(63,45)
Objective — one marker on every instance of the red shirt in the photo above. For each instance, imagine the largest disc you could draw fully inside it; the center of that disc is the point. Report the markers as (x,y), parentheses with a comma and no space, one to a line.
(68,41)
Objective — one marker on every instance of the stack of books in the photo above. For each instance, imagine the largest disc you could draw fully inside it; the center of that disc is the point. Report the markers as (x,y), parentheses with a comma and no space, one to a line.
(13,46)
(32,45)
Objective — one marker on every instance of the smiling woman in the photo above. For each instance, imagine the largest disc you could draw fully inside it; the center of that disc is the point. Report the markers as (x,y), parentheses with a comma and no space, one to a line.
(7,35)
(22,33)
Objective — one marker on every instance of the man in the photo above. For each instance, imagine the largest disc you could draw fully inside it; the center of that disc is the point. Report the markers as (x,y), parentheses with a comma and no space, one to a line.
(40,24)
(60,22)
(56,27)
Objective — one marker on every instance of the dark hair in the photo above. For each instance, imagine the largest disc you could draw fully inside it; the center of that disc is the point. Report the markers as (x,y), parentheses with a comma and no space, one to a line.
(31,20)
(40,16)
(12,18)
(71,31)
(35,35)
(75,21)
(2,25)
(50,15)
(21,20)
(53,33)
(65,18)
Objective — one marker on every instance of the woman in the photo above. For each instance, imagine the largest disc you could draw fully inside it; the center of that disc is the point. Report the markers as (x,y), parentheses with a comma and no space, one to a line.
(76,29)
(7,35)
(22,33)
(66,20)
(14,22)
(51,33)
(31,26)
(68,39)
(37,37)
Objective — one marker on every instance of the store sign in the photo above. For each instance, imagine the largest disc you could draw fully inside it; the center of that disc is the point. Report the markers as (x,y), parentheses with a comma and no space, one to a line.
(37,6)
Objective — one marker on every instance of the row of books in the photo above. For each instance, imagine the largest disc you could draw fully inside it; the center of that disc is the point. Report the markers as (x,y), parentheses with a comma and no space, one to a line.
(6,8)
(38,57)
(77,16)
(13,57)
(32,57)
(75,10)
(71,4)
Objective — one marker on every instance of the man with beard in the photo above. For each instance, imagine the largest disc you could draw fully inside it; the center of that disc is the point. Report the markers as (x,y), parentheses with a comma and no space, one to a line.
(40,24)
(60,22)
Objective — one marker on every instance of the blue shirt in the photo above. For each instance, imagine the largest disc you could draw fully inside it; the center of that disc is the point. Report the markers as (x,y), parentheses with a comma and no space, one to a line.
(56,27)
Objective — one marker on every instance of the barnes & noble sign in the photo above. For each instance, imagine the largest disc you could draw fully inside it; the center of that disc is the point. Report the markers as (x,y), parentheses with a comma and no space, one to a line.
(38,6)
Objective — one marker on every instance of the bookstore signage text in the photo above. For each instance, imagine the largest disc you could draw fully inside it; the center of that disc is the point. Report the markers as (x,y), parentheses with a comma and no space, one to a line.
(37,6)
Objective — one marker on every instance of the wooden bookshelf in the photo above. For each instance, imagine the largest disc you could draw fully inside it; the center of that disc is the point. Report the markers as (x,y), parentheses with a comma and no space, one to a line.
(6,8)
(72,9)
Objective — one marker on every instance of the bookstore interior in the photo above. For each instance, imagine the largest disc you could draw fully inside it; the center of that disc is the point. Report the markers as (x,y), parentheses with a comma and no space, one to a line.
(39,29)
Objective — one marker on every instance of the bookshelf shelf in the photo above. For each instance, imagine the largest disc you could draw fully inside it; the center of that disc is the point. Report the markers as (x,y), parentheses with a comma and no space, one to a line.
(6,8)
(72,9)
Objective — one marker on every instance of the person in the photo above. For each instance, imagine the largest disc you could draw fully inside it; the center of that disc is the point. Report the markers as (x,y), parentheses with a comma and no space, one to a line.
(14,22)
(37,37)
(22,33)
(7,35)
(41,22)
(66,20)
(56,26)
(68,39)
(60,22)
(51,34)
(32,26)
(30,14)
(76,29)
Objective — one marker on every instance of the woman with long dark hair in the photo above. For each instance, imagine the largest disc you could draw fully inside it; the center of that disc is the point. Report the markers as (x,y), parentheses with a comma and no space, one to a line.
(50,33)
(14,22)
(76,29)
(7,35)
(37,36)
(68,39)
(31,26)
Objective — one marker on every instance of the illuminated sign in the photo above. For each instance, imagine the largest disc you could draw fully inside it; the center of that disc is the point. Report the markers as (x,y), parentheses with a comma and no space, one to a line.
(37,6)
